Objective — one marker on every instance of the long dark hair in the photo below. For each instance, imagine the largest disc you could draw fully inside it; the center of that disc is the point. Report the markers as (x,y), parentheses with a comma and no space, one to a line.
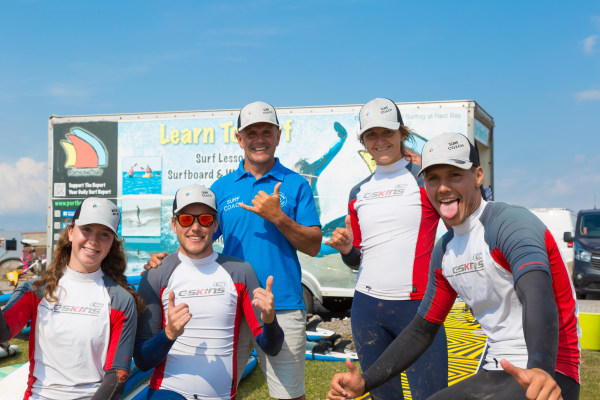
(113,265)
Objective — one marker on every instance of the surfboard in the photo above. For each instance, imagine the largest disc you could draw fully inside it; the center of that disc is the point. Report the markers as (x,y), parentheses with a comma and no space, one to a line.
(13,386)
(319,334)
(329,354)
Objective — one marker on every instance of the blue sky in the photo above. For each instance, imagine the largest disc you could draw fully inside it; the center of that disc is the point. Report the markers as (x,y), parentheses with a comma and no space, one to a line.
(534,66)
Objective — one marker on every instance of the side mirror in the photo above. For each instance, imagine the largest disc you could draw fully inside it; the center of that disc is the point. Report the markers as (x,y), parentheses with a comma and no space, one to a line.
(568,237)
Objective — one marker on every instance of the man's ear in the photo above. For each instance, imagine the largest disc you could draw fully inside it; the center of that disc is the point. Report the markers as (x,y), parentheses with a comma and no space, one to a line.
(238,136)
(479,176)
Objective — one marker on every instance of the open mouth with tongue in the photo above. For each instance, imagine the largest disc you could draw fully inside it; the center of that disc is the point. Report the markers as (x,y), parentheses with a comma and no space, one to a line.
(449,208)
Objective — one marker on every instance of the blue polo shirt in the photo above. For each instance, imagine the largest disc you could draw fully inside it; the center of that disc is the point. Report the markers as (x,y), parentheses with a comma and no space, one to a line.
(251,238)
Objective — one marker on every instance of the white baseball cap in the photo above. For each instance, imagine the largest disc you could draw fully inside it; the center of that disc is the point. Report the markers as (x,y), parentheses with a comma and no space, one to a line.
(255,113)
(449,148)
(95,210)
(194,194)
(379,112)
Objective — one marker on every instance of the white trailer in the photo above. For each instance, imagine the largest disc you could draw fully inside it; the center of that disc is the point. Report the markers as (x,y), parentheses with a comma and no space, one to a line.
(140,160)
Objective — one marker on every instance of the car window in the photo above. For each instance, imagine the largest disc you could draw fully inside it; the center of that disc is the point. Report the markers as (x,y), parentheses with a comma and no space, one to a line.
(589,225)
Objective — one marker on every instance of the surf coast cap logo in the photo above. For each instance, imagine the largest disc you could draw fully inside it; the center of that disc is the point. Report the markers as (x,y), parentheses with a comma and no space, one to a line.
(95,210)
(379,113)
(449,149)
(255,113)
(194,194)
(86,154)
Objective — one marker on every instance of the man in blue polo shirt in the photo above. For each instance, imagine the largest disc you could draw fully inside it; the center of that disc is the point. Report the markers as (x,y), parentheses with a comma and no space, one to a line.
(267,213)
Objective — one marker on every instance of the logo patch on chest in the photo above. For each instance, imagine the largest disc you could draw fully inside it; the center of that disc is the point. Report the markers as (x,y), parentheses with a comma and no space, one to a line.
(397,190)
(473,266)
(218,289)
(92,310)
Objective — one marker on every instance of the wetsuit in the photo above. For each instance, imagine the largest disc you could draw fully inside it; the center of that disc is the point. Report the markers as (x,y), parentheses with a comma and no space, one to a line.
(506,266)
(394,226)
(201,363)
(76,345)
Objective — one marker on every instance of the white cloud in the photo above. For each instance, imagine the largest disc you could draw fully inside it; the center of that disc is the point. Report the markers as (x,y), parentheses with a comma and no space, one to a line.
(64,91)
(560,187)
(25,187)
(574,188)
(589,44)
(588,95)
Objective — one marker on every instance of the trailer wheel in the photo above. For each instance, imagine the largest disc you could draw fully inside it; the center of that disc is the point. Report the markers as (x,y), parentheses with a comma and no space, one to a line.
(309,301)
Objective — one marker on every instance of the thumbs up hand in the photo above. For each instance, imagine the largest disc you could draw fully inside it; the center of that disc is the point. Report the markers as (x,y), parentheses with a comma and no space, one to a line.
(342,238)
(347,385)
(265,302)
(177,318)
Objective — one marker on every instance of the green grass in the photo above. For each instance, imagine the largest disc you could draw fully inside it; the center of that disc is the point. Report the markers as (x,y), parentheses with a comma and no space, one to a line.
(590,375)
(19,358)
(319,373)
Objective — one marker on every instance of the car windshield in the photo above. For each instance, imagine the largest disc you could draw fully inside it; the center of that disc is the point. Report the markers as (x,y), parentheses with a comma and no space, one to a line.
(589,226)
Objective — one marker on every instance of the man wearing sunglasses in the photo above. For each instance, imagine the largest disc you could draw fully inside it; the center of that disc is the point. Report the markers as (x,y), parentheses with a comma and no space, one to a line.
(196,302)
(266,214)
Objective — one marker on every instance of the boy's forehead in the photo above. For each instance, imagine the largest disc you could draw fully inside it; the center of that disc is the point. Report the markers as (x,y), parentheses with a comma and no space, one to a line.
(196,208)
(260,126)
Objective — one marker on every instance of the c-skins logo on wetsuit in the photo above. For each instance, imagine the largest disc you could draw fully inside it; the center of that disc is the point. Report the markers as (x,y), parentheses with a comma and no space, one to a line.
(218,289)
(93,309)
(398,190)
(86,154)
(475,265)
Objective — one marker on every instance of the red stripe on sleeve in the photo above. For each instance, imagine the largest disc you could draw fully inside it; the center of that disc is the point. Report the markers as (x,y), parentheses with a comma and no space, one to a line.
(117,319)
(21,312)
(355,225)
(501,260)
(31,352)
(425,240)
(569,354)
(159,371)
(443,299)
(247,309)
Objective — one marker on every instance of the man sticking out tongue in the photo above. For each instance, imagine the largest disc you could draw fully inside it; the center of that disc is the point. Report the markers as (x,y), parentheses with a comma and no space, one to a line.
(504,263)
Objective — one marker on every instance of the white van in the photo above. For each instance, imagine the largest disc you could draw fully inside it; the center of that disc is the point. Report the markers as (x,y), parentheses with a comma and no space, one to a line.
(559,221)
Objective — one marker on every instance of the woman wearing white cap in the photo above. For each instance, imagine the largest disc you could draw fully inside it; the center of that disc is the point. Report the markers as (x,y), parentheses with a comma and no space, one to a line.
(82,311)
(389,234)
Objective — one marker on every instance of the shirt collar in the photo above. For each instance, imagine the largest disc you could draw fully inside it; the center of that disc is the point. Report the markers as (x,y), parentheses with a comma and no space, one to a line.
(276,171)
(392,168)
(198,262)
(83,277)
(470,223)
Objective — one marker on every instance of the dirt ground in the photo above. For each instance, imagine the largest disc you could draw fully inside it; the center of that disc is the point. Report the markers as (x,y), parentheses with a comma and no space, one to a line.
(337,322)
